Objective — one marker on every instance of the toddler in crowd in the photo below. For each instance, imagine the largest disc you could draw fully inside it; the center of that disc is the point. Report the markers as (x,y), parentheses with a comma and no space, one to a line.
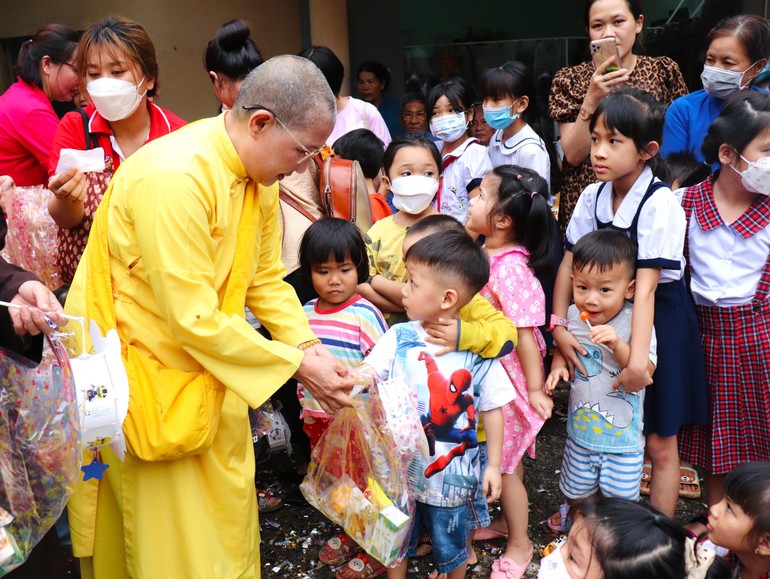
(333,258)
(740,522)
(411,165)
(445,271)
(464,161)
(615,538)
(625,135)
(512,213)
(605,444)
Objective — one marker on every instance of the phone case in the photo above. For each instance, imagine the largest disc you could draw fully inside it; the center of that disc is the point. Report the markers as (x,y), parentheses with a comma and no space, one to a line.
(602,49)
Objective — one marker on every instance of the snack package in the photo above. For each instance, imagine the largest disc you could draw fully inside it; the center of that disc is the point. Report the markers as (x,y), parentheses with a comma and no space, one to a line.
(39,448)
(32,233)
(358,479)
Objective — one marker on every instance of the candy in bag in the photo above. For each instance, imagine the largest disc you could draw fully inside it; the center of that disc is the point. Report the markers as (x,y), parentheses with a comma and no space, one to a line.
(358,479)
(39,448)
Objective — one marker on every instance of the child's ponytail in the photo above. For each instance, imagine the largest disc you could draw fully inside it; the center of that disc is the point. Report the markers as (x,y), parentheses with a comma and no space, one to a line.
(523,196)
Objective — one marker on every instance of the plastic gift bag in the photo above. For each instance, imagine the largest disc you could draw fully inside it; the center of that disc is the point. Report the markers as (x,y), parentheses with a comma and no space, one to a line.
(31,242)
(39,448)
(358,479)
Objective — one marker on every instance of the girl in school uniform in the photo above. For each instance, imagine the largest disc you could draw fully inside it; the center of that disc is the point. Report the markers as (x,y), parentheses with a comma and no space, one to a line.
(625,136)
(464,160)
(728,241)
(509,90)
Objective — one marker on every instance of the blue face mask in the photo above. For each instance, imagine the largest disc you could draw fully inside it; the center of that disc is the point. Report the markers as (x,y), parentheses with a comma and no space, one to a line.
(500,117)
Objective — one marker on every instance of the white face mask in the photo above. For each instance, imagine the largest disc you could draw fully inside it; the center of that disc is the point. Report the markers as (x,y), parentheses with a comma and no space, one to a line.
(413,194)
(115,99)
(721,83)
(449,127)
(553,567)
(756,177)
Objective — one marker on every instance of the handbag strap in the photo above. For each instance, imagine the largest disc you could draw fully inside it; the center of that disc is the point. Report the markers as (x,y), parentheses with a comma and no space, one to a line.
(90,139)
(296,206)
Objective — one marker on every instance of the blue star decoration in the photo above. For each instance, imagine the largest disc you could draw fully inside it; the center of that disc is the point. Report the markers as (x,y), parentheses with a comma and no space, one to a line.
(94,470)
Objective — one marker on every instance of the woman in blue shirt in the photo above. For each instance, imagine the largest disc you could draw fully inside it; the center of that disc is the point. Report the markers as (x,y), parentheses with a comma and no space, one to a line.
(738,49)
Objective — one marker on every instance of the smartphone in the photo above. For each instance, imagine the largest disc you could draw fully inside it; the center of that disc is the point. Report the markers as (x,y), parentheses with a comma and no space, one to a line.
(602,49)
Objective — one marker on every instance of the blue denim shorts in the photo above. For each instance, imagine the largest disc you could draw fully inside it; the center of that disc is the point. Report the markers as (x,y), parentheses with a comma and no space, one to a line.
(478,514)
(449,532)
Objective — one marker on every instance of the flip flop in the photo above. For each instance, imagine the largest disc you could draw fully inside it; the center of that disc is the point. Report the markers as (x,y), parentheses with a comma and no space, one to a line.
(424,545)
(689,483)
(644,486)
(267,503)
(560,521)
(487,534)
(338,550)
(507,568)
(363,566)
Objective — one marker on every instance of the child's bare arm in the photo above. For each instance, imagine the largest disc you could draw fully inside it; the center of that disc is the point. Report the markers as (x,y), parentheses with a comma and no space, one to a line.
(388,289)
(366,291)
(493,426)
(529,356)
(559,372)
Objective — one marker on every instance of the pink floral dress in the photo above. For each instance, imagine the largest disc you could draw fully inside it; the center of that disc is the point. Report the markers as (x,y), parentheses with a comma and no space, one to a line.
(514,289)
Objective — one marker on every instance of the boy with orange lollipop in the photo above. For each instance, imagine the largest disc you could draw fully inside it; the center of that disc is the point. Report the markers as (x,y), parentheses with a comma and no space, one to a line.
(605,445)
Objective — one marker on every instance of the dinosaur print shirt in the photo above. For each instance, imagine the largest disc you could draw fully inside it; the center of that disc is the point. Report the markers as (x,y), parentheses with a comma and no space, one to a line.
(451,390)
(602,419)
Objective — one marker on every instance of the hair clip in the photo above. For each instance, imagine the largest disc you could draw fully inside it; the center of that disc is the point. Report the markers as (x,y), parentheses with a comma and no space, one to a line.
(533,194)
(518,177)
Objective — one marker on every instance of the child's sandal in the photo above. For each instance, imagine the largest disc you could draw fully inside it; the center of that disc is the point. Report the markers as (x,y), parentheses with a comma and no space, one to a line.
(338,550)
(363,566)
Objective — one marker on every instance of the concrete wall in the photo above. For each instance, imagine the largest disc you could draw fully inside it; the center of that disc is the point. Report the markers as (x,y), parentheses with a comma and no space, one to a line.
(180,30)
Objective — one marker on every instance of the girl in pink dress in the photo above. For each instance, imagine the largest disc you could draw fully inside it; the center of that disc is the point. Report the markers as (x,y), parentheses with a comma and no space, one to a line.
(512,213)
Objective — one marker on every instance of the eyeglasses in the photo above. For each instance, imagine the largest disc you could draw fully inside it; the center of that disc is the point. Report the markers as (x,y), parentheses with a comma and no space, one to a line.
(72,66)
(308,153)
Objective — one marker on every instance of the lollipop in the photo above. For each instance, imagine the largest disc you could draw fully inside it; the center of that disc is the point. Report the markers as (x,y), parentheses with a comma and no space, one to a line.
(584,316)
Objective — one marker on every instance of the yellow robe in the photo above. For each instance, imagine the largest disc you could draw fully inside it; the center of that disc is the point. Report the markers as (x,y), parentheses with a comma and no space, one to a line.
(175,208)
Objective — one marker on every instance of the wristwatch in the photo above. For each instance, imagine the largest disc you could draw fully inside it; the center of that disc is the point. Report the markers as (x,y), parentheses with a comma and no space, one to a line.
(557,321)
(584,114)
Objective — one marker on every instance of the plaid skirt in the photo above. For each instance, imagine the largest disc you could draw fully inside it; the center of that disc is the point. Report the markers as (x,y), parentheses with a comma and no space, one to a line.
(736,342)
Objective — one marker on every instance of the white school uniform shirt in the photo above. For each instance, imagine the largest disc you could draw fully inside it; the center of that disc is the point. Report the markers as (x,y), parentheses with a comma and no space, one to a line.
(525,149)
(725,267)
(660,229)
(471,163)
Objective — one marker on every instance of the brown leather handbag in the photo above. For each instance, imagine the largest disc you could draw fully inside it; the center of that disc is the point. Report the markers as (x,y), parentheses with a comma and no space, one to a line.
(344,193)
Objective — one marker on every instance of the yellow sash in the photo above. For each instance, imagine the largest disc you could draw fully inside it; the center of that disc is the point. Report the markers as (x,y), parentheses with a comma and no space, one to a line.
(171,413)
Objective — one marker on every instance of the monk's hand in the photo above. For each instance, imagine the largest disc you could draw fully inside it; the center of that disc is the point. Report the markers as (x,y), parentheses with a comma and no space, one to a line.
(326,378)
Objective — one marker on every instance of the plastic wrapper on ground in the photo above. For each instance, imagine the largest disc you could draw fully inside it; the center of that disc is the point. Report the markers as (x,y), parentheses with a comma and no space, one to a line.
(358,479)
(39,449)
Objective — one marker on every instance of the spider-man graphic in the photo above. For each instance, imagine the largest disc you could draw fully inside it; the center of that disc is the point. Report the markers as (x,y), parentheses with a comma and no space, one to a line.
(449,399)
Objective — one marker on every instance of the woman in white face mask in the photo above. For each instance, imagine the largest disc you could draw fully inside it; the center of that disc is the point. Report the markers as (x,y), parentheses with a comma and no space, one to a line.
(464,159)
(728,240)
(119,77)
(738,48)
(620,539)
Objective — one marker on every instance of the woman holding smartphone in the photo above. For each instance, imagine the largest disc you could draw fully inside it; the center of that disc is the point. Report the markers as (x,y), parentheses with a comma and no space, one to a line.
(577,91)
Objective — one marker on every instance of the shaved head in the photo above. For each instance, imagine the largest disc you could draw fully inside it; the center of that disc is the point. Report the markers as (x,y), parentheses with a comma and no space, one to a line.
(293,88)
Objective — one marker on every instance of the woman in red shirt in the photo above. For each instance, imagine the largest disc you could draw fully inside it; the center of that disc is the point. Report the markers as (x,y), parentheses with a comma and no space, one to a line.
(119,78)
(45,69)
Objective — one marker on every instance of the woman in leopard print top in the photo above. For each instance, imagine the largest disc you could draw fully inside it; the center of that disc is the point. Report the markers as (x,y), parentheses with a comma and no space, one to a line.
(577,91)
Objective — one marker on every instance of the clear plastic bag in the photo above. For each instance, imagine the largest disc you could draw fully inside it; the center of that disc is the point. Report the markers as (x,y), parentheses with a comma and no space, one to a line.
(31,242)
(39,449)
(358,479)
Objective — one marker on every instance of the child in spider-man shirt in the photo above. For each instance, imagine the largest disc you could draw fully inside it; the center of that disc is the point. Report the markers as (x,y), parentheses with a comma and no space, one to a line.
(445,270)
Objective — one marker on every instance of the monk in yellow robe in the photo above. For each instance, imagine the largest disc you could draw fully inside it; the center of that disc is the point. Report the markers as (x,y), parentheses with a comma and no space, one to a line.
(186,236)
